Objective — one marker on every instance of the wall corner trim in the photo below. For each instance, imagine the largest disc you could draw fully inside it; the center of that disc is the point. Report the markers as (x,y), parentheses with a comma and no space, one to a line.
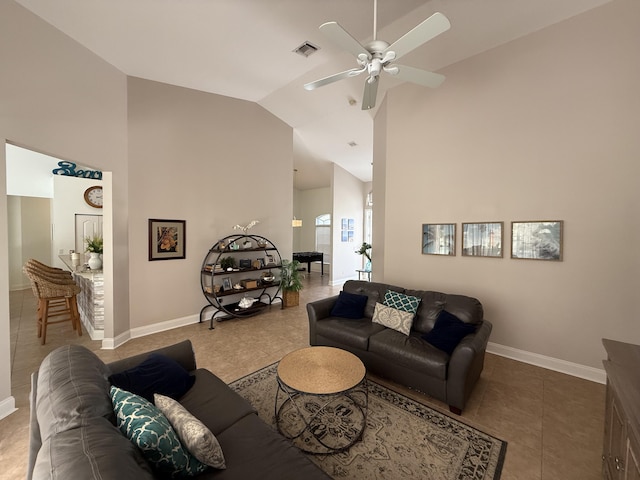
(574,369)
(7,407)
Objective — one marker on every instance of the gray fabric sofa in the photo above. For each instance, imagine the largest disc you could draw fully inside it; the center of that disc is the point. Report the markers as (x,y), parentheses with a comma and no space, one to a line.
(409,360)
(73,433)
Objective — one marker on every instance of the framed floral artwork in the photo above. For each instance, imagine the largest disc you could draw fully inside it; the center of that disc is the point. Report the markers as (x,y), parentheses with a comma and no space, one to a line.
(167,239)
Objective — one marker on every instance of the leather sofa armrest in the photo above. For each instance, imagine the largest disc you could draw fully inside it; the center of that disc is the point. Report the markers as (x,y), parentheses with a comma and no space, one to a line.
(465,365)
(317,311)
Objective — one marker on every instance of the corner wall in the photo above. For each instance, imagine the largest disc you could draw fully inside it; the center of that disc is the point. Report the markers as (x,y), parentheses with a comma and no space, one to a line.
(542,128)
(58,98)
(348,194)
(213,161)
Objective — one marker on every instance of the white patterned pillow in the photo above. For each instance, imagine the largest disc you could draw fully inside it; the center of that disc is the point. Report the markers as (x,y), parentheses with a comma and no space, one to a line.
(147,427)
(194,434)
(393,318)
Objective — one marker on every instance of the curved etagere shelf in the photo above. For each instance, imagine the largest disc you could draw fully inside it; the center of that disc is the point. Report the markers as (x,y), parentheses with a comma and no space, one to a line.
(224,289)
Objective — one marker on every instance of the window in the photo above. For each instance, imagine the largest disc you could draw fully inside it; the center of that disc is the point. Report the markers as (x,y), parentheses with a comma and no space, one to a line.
(368,218)
(323,236)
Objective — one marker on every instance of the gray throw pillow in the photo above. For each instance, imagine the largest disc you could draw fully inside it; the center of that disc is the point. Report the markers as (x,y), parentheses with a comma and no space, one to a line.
(194,434)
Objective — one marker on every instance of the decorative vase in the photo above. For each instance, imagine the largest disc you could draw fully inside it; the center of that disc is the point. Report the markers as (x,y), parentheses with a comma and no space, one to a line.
(95,262)
(367,266)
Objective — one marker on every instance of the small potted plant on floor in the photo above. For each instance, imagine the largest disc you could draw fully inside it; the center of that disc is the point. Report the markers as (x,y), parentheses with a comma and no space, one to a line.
(94,247)
(290,283)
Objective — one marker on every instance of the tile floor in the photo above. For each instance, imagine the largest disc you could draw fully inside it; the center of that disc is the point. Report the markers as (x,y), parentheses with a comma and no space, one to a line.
(552,422)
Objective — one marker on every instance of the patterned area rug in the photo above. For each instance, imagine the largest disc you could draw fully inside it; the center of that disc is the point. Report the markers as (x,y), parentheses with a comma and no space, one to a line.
(402,438)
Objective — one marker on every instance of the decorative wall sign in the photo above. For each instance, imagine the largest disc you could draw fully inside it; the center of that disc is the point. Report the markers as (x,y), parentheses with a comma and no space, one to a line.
(482,239)
(167,239)
(537,240)
(439,239)
(70,169)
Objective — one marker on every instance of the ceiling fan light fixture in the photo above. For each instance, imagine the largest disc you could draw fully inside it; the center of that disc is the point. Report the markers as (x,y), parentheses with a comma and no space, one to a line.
(391,69)
(376,56)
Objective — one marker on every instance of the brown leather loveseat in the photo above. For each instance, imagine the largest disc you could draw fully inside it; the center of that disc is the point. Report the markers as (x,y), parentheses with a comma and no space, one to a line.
(409,359)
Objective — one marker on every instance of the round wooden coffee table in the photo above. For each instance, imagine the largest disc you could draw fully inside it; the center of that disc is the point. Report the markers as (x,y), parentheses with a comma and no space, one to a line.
(321,401)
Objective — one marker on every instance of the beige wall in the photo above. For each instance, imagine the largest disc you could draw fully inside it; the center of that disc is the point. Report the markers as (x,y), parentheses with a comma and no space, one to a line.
(543,128)
(210,160)
(29,222)
(310,204)
(348,194)
(58,98)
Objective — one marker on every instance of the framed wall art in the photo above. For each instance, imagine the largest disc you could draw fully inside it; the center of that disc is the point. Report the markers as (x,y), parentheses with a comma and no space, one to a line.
(482,239)
(167,239)
(347,232)
(439,239)
(540,240)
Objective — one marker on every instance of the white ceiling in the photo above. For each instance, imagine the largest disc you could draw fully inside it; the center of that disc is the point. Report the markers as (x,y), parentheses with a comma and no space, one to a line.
(243,49)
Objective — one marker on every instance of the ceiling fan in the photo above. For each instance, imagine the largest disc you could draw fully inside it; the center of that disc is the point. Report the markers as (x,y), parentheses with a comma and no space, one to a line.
(378,56)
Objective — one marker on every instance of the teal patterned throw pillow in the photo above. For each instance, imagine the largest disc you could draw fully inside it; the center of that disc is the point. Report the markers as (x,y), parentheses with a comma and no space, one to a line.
(401,301)
(147,427)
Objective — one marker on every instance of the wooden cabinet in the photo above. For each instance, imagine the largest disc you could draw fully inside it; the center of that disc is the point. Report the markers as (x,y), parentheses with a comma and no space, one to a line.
(621,455)
(240,276)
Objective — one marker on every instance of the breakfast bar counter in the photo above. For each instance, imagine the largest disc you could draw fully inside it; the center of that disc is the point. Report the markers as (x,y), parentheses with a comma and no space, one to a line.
(91,298)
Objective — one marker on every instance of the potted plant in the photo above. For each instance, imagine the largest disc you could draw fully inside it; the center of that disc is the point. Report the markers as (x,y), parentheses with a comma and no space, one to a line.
(290,283)
(364,250)
(94,247)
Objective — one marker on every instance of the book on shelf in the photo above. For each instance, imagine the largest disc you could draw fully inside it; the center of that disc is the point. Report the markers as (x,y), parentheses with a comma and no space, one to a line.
(210,267)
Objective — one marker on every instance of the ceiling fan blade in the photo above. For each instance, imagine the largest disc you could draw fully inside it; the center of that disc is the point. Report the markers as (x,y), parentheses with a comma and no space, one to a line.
(430,28)
(343,39)
(370,93)
(421,77)
(333,78)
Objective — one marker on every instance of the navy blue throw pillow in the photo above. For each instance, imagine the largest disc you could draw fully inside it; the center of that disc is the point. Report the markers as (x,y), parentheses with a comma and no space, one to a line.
(448,331)
(157,374)
(349,305)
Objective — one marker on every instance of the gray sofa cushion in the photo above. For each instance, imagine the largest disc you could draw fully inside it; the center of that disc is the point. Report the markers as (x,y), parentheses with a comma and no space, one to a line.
(373,290)
(212,402)
(467,309)
(410,351)
(430,307)
(348,332)
(96,450)
(72,387)
(253,450)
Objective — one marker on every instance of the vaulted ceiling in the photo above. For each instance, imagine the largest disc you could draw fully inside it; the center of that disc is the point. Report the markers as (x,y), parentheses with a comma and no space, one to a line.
(244,49)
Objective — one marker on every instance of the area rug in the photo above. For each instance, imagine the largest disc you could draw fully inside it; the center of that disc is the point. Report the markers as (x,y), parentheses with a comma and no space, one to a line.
(402,439)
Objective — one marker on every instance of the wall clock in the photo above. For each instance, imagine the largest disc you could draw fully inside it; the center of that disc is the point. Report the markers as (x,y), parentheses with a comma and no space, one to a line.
(93,196)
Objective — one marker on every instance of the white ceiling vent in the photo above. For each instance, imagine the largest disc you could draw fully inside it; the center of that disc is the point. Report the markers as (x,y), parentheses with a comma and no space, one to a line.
(306,49)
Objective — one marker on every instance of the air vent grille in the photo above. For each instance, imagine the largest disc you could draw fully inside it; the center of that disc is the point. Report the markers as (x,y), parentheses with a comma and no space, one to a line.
(306,49)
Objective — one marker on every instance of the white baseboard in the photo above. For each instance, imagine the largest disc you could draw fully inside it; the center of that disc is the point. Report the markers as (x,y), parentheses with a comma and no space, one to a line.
(7,407)
(93,333)
(574,369)
(112,343)
(163,326)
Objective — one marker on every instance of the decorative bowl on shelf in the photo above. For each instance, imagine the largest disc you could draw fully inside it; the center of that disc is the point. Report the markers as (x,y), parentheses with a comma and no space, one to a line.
(267,277)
